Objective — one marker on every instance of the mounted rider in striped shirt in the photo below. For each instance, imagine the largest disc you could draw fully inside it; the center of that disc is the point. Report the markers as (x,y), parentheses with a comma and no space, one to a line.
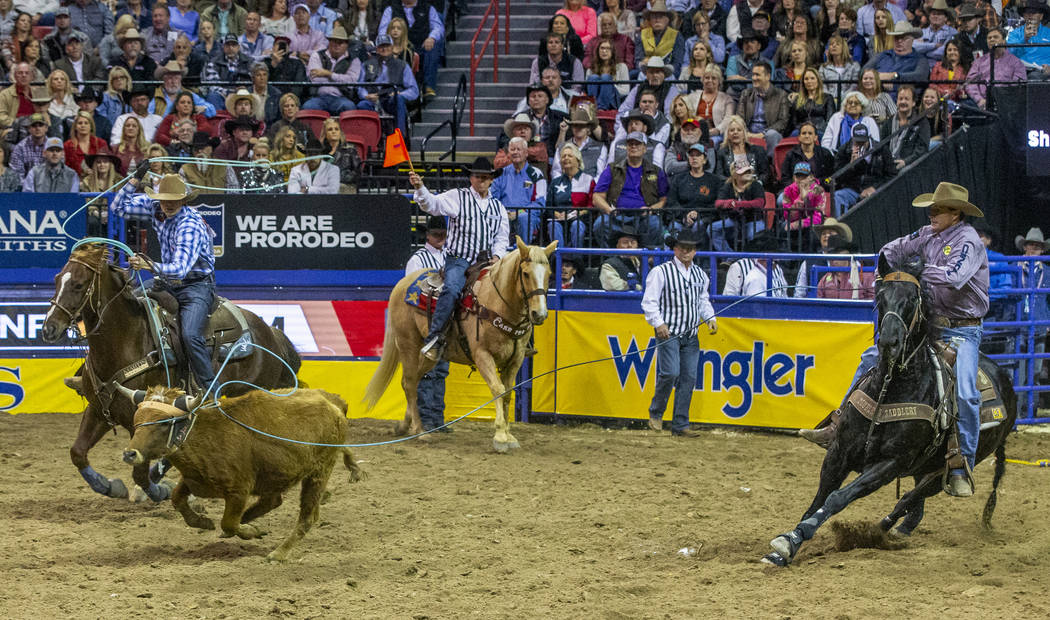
(187,258)
(478,229)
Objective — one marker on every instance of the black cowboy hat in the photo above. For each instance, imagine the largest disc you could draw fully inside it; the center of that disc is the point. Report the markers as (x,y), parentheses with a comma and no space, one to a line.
(685,236)
(483,165)
(639,115)
(136,91)
(313,147)
(751,34)
(763,241)
(202,139)
(625,231)
(436,222)
(86,94)
(531,88)
(105,153)
(241,121)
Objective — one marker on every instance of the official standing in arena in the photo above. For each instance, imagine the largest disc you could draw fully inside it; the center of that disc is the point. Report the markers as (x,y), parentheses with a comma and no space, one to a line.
(675,303)
(478,230)
(431,389)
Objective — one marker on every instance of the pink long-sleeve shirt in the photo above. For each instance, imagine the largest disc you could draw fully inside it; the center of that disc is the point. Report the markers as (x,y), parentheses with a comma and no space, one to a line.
(584,21)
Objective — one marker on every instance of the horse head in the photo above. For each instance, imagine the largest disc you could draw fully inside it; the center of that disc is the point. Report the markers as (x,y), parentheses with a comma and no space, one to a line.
(899,299)
(534,274)
(74,285)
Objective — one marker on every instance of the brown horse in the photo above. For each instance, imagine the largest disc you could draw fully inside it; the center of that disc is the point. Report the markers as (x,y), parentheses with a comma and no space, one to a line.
(514,293)
(90,288)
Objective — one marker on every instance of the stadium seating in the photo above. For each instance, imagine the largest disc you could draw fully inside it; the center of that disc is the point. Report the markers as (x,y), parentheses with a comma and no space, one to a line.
(362,123)
(314,119)
(781,151)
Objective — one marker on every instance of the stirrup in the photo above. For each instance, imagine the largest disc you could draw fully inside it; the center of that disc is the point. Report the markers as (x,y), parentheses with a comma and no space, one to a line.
(433,348)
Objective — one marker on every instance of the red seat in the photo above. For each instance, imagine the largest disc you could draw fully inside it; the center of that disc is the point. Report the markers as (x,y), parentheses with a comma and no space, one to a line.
(359,142)
(607,118)
(781,151)
(314,119)
(758,142)
(364,124)
(39,32)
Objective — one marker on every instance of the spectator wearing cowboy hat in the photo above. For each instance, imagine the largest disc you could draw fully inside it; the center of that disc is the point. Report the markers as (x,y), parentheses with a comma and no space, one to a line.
(939,32)
(384,67)
(237,144)
(104,171)
(854,282)
(761,22)
(740,66)
(620,272)
(41,100)
(741,16)
(242,103)
(823,233)
(520,126)
(78,65)
(232,67)
(627,193)
(1037,59)
(594,153)
(676,303)
(656,73)
(659,39)
(902,63)
(52,175)
(638,121)
(972,33)
(574,275)
(200,173)
(140,67)
(334,64)
(860,181)
(163,101)
(138,100)
(1008,68)
(1034,275)
(548,121)
(314,176)
(87,101)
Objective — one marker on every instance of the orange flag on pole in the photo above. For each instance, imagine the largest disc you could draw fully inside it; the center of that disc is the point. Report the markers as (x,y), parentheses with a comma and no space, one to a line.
(396,151)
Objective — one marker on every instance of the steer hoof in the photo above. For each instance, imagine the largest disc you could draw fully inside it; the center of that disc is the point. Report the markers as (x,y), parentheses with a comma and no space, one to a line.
(277,555)
(117,489)
(137,495)
(248,532)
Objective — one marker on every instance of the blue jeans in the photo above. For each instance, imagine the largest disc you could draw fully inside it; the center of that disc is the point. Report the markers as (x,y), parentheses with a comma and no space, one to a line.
(719,230)
(966,341)
(394,105)
(556,232)
(429,61)
(431,396)
(676,362)
(526,225)
(329,103)
(605,94)
(648,226)
(194,302)
(455,280)
(844,199)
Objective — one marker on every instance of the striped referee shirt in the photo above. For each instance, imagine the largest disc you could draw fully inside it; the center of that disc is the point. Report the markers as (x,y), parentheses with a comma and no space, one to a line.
(186,247)
(677,296)
(747,276)
(475,224)
(426,257)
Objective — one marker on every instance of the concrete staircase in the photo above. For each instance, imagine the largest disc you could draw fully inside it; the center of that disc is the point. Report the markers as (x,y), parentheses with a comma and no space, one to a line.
(494,101)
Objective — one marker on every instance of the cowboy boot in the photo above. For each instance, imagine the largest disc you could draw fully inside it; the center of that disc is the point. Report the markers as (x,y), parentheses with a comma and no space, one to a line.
(825,432)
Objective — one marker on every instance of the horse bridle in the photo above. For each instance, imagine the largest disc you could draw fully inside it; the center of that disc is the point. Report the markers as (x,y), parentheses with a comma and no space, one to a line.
(900,276)
(525,295)
(94,286)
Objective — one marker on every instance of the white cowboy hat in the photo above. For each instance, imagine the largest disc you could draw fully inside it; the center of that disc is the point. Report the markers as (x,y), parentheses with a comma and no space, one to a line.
(948,195)
(520,119)
(242,93)
(842,228)
(171,187)
(655,62)
(1034,235)
(904,28)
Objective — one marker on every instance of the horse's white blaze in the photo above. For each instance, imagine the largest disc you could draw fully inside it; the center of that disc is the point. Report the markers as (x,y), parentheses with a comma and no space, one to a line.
(61,287)
(537,274)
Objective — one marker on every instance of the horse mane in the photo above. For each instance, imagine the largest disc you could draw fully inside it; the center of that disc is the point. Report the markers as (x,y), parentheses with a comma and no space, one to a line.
(93,253)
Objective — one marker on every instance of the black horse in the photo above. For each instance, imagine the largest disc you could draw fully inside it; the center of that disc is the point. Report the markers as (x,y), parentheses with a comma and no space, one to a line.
(882,452)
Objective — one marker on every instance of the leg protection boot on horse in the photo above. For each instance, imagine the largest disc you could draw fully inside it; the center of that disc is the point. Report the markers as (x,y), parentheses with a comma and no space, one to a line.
(825,432)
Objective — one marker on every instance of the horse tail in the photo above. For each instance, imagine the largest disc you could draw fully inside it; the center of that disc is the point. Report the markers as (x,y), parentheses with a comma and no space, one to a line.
(1000,469)
(388,364)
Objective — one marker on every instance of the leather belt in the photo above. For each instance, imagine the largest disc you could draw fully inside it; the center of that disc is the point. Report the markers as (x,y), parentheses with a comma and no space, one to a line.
(190,280)
(945,322)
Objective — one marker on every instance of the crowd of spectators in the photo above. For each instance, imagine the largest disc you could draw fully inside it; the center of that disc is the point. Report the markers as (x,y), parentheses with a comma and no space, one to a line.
(111,82)
(733,118)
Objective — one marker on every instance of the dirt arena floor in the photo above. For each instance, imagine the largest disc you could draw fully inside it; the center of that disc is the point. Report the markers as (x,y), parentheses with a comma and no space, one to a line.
(581,522)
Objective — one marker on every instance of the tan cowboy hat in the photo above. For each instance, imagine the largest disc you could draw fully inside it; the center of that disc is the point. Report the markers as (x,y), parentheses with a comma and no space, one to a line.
(242,93)
(171,187)
(655,62)
(520,119)
(656,6)
(339,33)
(581,116)
(171,67)
(942,6)
(131,34)
(948,195)
(1035,235)
(904,28)
(841,228)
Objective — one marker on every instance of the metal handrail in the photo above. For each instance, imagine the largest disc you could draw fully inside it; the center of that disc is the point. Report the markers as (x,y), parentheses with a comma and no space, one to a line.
(453,123)
(476,57)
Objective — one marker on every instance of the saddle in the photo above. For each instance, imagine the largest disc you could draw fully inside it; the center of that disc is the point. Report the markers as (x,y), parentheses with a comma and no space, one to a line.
(424,291)
(227,333)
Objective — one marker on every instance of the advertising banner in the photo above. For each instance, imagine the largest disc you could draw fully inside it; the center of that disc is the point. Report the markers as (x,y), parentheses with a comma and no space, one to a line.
(20,325)
(31,233)
(754,372)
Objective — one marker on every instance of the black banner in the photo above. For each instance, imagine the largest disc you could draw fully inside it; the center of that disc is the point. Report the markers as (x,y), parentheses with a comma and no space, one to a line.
(278,231)
(1037,136)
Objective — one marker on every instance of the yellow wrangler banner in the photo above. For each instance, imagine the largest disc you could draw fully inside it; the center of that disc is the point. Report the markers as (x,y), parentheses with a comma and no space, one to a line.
(35,386)
(754,372)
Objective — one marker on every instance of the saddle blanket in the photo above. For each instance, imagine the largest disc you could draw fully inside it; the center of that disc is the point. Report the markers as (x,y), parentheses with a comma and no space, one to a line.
(992,411)
(424,291)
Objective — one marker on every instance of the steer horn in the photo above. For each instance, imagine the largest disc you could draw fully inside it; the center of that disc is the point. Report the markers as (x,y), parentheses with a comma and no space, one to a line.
(136,396)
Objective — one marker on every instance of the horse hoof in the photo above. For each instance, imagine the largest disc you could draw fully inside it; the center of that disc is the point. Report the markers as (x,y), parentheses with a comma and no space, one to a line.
(775,559)
(248,532)
(886,524)
(902,532)
(117,489)
(137,495)
(504,447)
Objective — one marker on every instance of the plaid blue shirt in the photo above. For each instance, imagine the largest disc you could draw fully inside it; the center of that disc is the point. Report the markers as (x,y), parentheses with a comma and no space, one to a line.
(186,248)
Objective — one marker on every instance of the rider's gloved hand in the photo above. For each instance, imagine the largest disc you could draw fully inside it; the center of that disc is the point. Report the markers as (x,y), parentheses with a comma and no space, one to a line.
(142,170)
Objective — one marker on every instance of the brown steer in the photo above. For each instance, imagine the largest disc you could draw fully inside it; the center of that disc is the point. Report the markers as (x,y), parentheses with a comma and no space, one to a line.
(219,458)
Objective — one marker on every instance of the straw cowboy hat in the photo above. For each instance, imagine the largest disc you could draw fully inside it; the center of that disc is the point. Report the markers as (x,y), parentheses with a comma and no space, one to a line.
(339,33)
(948,195)
(131,34)
(171,67)
(655,62)
(942,6)
(841,228)
(520,119)
(1034,235)
(171,187)
(904,28)
(657,7)
(242,93)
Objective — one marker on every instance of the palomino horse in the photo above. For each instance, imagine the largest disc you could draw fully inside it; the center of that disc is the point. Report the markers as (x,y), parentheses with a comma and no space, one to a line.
(120,344)
(906,374)
(514,293)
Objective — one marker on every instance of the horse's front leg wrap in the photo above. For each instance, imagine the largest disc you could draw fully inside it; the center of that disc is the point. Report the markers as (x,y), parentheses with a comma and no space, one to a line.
(97,482)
